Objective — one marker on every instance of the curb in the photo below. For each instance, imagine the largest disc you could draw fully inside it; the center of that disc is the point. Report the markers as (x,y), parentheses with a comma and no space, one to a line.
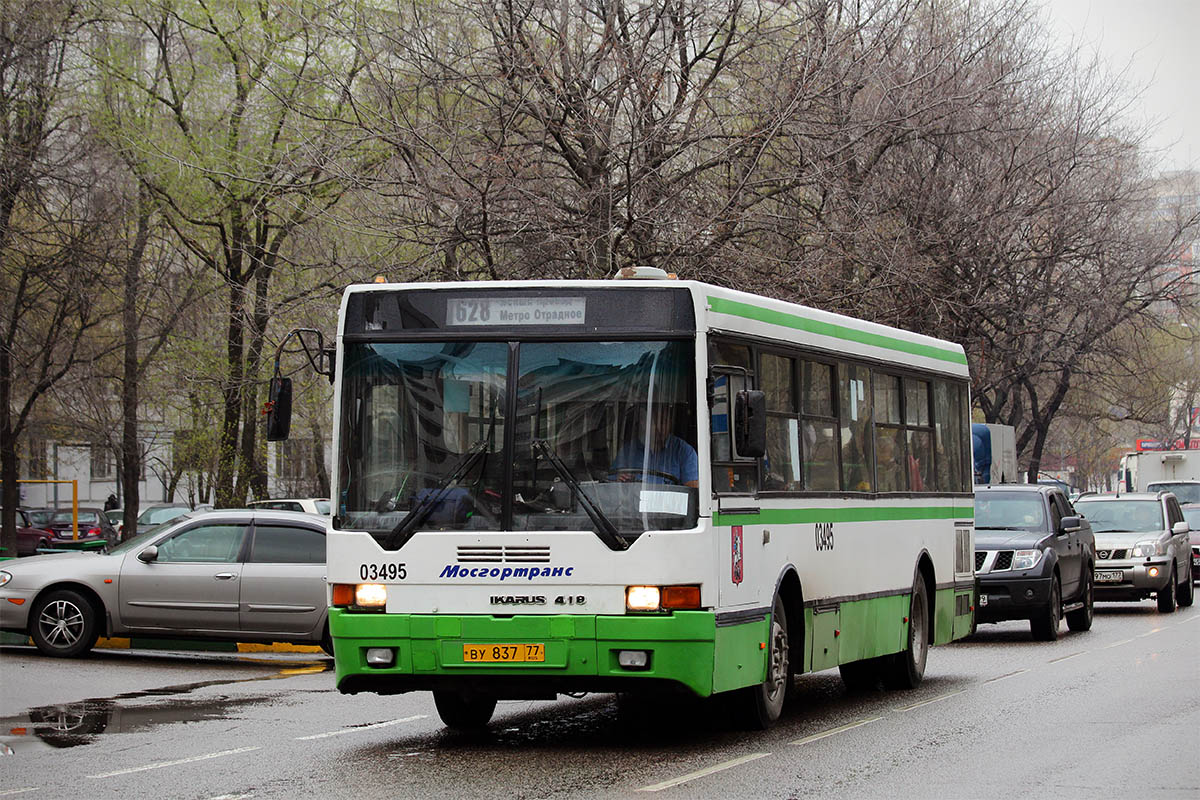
(135,643)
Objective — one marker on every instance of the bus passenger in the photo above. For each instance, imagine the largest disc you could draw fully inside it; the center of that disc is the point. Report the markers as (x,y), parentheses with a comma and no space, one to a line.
(667,454)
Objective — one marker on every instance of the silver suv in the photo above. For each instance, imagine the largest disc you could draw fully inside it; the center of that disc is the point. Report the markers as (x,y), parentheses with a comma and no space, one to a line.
(1141,547)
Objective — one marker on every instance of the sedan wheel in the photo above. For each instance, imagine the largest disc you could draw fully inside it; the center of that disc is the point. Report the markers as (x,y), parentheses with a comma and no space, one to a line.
(64,624)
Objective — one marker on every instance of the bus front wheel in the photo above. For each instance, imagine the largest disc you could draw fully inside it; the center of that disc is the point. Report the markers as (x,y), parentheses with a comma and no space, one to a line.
(907,667)
(464,713)
(760,705)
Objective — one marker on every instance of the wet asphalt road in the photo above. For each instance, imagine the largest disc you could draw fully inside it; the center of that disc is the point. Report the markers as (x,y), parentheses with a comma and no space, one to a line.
(1110,713)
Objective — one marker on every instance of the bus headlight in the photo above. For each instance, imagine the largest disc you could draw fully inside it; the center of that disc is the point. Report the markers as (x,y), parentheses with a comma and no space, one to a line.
(662,598)
(370,595)
(642,598)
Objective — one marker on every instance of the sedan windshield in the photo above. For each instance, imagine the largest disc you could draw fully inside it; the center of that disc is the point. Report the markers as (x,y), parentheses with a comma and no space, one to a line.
(529,436)
(161,514)
(1123,516)
(85,518)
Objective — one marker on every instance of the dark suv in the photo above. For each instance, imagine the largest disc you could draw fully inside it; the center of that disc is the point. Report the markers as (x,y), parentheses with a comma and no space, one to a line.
(1033,558)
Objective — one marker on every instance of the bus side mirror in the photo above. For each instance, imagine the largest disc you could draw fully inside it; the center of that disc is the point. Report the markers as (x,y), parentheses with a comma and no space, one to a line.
(279,409)
(750,423)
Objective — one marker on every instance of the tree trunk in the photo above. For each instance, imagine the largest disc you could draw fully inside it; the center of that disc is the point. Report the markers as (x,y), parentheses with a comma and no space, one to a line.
(227,450)
(252,467)
(131,449)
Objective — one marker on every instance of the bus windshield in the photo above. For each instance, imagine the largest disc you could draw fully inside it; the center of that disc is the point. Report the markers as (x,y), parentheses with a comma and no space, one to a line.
(580,435)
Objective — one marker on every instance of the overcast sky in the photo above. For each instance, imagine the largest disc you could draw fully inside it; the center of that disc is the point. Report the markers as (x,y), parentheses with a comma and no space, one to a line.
(1158,42)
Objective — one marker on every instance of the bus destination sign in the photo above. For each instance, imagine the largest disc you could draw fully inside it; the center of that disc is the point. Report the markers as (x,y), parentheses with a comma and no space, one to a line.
(516,310)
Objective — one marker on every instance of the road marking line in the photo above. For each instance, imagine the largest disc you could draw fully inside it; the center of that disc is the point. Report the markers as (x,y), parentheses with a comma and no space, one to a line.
(7,792)
(937,699)
(360,728)
(691,776)
(162,764)
(851,726)
(1005,677)
(1148,633)
(1065,658)
(1117,644)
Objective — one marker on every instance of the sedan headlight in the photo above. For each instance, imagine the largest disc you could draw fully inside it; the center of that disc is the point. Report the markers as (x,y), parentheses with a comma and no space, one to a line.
(5,577)
(1026,559)
(1157,547)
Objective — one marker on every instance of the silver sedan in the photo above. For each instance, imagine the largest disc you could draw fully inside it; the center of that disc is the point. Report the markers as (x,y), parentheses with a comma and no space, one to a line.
(235,575)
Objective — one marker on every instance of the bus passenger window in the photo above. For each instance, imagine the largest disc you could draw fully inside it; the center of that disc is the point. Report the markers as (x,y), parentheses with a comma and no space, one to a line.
(854,400)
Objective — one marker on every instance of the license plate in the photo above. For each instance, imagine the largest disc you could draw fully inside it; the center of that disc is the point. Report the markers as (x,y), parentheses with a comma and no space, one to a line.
(1109,576)
(518,653)
(983,600)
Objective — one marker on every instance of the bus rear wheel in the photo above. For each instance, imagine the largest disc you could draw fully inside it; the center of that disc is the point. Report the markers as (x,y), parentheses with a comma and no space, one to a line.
(462,712)
(905,669)
(758,706)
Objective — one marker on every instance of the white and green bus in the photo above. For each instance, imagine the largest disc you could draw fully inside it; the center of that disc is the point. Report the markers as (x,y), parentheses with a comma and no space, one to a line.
(638,485)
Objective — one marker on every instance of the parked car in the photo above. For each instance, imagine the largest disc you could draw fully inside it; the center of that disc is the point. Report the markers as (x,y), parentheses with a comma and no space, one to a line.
(39,517)
(93,529)
(236,575)
(1184,491)
(117,517)
(1142,548)
(1033,558)
(309,505)
(1191,512)
(29,538)
(154,515)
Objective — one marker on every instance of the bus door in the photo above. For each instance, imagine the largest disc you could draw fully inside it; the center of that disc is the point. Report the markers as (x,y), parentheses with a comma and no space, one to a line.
(735,453)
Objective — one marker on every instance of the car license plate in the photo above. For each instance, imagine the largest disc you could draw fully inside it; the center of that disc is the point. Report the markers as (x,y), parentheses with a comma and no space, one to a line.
(1109,576)
(983,600)
(518,653)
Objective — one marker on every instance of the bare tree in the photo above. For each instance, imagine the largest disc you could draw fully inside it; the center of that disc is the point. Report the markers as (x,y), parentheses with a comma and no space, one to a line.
(238,155)
(54,224)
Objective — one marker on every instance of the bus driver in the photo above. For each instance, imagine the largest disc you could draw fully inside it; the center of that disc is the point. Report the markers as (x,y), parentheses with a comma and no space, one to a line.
(667,454)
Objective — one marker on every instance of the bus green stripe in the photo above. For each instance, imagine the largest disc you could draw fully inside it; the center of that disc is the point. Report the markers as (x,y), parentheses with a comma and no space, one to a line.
(782,318)
(792,516)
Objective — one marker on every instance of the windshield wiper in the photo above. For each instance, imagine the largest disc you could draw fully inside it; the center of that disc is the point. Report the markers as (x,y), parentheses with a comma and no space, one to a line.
(604,527)
(997,528)
(404,531)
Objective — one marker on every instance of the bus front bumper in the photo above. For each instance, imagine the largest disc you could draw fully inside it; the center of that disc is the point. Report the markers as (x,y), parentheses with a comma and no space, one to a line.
(580,653)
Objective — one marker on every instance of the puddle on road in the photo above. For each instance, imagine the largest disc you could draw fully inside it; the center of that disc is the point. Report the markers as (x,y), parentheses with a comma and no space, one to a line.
(75,724)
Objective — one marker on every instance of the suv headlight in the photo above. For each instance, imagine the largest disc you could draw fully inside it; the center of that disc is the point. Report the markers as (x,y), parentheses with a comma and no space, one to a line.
(5,577)
(1156,547)
(1026,559)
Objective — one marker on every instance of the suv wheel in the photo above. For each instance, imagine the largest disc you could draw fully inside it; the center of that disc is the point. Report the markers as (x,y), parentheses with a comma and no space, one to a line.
(1186,591)
(1166,595)
(1081,619)
(1044,626)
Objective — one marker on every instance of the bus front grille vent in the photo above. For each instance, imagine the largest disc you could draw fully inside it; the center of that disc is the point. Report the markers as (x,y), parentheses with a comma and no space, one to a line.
(503,554)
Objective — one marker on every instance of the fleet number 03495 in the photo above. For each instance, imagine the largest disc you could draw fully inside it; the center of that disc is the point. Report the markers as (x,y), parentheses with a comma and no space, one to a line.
(382,572)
